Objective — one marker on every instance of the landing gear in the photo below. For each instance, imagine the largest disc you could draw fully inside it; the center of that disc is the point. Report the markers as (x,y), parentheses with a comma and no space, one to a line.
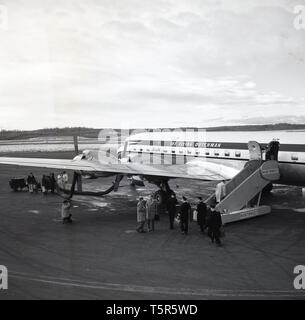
(160,196)
(164,193)
(70,193)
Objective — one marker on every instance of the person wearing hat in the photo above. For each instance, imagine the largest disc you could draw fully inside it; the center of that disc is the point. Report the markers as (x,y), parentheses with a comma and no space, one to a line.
(151,211)
(201,214)
(171,209)
(214,225)
(31,181)
(185,211)
(141,214)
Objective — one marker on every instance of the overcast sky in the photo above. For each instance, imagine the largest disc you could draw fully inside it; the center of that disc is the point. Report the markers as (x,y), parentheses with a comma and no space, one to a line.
(150,63)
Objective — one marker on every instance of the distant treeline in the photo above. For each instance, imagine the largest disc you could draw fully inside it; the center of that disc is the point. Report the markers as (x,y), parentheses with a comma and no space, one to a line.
(262,127)
(93,133)
(54,132)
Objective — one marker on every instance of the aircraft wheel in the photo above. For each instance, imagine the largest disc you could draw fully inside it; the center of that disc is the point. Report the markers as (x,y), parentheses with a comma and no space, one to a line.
(160,196)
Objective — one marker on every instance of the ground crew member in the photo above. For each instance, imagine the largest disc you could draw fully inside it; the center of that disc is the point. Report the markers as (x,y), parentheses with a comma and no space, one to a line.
(151,211)
(185,211)
(59,180)
(141,214)
(65,211)
(53,182)
(44,184)
(201,214)
(171,209)
(214,225)
(65,179)
(220,191)
(31,182)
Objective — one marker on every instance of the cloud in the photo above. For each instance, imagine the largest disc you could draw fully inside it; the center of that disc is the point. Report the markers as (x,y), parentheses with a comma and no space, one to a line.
(150,63)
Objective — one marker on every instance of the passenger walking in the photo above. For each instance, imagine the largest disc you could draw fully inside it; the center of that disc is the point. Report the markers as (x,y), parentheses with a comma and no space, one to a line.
(141,214)
(44,185)
(220,191)
(201,214)
(214,225)
(31,182)
(185,211)
(171,209)
(151,211)
(65,211)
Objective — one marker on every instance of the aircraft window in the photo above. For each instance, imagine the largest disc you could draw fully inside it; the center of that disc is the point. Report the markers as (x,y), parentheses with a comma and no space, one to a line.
(180,151)
(173,151)
(189,152)
(216,153)
(165,151)
(207,153)
(197,152)
(134,149)
(237,154)
(227,154)
(294,157)
(141,149)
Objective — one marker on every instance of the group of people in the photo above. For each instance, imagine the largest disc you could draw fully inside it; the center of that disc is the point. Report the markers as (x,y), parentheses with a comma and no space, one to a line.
(146,213)
(208,217)
(47,182)
(63,179)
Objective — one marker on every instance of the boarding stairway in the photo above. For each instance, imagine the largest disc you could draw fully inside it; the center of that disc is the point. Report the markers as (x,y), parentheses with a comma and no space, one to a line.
(243,192)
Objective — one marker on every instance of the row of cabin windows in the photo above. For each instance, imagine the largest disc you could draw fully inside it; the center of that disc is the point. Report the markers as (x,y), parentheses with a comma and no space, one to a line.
(207,153)
(294,157)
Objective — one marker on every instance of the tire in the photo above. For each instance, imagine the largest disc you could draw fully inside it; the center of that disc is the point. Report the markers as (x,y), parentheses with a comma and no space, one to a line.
(160,196)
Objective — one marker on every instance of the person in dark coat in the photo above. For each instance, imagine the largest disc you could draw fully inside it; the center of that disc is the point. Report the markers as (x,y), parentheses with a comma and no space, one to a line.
(201,214)
(53,182)
(185,211)
(214,225)
(171,208)
(31,182)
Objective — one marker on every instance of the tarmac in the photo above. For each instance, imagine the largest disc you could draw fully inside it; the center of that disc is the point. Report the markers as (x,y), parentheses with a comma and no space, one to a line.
(101,256)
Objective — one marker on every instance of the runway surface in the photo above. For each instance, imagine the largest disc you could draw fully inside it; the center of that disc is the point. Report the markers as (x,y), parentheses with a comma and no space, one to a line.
(101,256)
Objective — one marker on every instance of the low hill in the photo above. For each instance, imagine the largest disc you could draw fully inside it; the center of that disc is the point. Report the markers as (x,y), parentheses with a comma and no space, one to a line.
(93,132)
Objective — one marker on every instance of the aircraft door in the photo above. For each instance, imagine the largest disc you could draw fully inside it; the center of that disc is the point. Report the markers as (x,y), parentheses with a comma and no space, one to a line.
(255,151)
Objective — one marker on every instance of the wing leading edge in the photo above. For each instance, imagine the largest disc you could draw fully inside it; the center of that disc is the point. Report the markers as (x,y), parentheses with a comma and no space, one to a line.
(202,170)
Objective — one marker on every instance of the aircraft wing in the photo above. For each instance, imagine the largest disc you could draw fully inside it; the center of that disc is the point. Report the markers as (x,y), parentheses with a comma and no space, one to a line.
(199,170)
